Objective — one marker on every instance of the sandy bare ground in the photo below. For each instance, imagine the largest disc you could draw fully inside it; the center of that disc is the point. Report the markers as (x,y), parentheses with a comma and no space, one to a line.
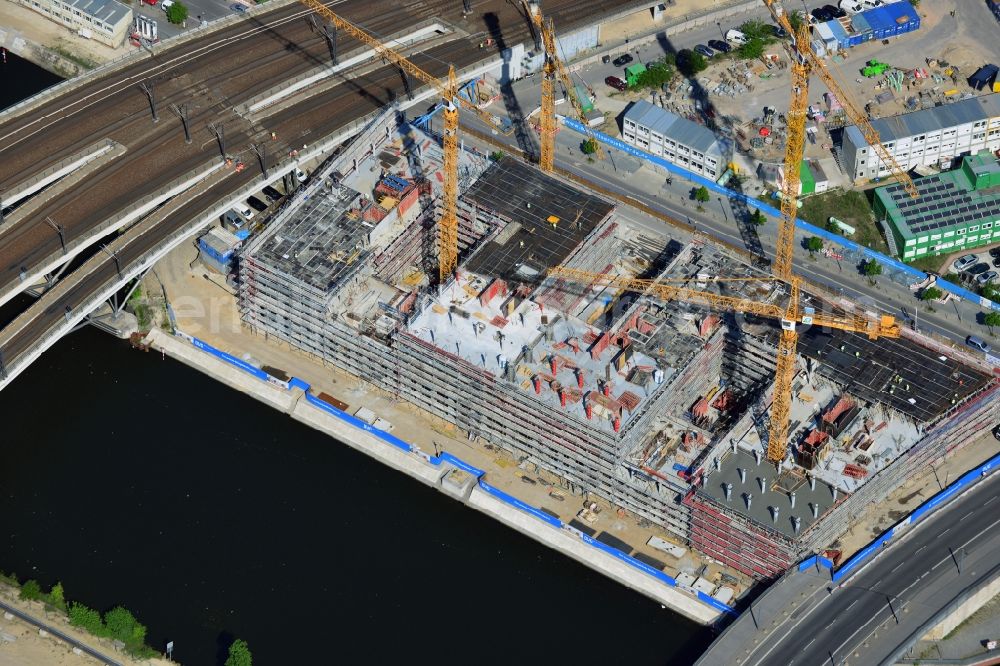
(39,29)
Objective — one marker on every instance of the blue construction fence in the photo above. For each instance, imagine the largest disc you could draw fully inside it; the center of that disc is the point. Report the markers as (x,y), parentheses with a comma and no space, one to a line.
(768,209)
(443,457)
(885,539)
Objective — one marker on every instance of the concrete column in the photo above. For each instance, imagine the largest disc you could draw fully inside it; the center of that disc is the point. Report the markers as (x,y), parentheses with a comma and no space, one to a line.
(815,509)
(791,498)
(774,514)
(749,498)
(763,484)
(728,488)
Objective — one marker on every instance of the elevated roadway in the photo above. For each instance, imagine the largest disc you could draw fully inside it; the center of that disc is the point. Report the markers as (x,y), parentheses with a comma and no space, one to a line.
(145,164)
(874,616)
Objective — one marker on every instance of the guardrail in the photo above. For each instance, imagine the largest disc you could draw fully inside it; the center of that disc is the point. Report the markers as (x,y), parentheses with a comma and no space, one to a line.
(886,538)
(447,458)
(711,185)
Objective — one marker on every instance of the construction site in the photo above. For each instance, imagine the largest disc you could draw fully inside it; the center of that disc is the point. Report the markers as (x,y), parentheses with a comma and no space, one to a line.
(542,343)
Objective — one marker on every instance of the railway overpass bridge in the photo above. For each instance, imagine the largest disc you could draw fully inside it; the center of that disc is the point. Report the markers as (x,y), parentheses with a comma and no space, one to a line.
(100,175)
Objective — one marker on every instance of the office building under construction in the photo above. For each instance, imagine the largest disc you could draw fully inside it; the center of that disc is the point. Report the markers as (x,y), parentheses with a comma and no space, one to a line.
(658,407)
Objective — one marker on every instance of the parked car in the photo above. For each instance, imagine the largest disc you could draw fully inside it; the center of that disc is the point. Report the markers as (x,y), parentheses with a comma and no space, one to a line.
(776,31)
(977,343)
(964,262)
(271,194)
(996,432)
(736,37)
(243,211)
(615,83)
(300,176)
(606,59)
(256,204)
(834,12)
(851,6)
(979,268)
(622,60)
(988,277)
(995,253)
(720,45)
(821,15)
(238,8)
(704,50)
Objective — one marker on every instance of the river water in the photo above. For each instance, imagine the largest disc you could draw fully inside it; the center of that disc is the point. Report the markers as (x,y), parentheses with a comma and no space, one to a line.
(135,480)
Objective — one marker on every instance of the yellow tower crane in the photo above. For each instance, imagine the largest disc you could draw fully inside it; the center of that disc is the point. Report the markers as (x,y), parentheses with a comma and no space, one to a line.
(552,67)
(790,316)
(448,90)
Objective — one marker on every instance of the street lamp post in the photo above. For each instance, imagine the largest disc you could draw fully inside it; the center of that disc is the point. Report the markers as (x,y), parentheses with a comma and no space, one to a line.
(719,24)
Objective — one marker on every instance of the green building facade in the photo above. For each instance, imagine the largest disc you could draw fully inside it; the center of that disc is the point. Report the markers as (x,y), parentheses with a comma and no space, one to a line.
(956,210)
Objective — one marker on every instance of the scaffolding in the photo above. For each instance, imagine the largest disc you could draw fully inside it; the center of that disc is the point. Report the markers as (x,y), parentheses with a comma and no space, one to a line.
(623,396)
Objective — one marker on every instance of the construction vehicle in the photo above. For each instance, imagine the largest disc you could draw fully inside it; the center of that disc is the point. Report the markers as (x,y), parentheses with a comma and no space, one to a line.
(874,68)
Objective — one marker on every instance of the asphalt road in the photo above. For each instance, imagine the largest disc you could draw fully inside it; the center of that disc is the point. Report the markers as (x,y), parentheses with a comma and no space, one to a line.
(872,615)
(954,321)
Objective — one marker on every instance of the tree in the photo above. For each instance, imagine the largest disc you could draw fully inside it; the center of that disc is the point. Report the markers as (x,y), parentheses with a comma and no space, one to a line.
(239,654)
(752,50)
(57,597)
(589,147)
(832,227)
(758,218)
(31,590)
(755,29)
(87,619)
(931,294)
(872,269)
(795,19)
(990,291)
(656,75)
(701,195)
(177,13)
(690,62)
(992,320)
(496,155)
(121,624)
(814,244)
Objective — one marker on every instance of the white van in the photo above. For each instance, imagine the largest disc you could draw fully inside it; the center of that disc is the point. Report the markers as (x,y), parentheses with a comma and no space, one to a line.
(851,6)
(241,207)
(166,4)
(872,4)
(733,36)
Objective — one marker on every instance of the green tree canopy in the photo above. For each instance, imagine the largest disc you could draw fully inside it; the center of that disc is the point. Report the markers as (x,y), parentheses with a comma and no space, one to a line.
(752,50)
(989,290)
(701,195)
(755,28)
(992,319)
(795,19)
(121,624)
(656,74)
(239,654)
(931,294)
(87,619)
(690,62)
(758,218)
(57,597)
(814,244)
(589,147)
(872,268)
(177,13)
(31,590)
